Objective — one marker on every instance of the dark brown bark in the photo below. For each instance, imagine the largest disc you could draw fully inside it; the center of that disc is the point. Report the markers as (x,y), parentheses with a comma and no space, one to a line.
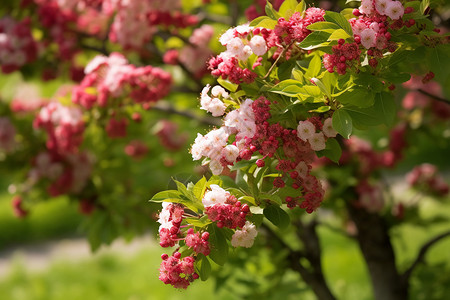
(312,276)
(376,247)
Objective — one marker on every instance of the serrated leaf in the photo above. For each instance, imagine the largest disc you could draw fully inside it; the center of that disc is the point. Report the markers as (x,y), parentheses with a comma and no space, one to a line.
(323,26)
(199,188)
(243,164)
(228,85)
(301,7)
(264,21)
(315,65)
(338,34)
(277,216)
(271,12)
(340,20)
(218,245)
(358,97)
(164,195)
(322,87)
(272,198)
(342,123)
(398,57)
(287,8)
(249,199)
(314,40)
(198,222)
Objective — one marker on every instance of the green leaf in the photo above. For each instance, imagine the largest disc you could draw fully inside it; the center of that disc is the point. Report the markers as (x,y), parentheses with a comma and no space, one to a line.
(339,20)
(423,6)
(398,57)
(439,58)
(243,164)
(339,34)
(228,85)
(333,150)
(165,195)
(289,87)
(314,40)
(273,198)
(264,21)
(322,87)
(249,199)
(301,7)
(385,104)
(315,65)
(323,26)
(321,109)
(277,216)
(204,267)
(287,8)
(358,96)
(199,188)
(395,77)
(271,12)
(198,222)
(218,245)
(382,112)
(342,123)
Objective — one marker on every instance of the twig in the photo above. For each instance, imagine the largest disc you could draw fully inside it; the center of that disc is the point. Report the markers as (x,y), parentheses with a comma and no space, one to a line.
(421,256)
(434,96)
(276,61)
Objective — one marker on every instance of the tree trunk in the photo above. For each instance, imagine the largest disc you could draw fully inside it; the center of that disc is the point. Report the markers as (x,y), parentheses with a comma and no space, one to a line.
(375,244)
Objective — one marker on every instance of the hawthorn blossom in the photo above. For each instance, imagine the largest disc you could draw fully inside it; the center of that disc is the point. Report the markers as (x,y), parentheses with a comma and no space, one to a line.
(305,130)
(394,10)
(244,237)
(328,129)
(258,45)
(368,38)
(216,195)
(317,141)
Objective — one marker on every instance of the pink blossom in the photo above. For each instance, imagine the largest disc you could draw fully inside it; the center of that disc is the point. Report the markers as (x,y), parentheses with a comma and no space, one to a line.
(305,130)
(258,45)
(244,237)
(328,129)
(317,141)
(368,38)
(394,10)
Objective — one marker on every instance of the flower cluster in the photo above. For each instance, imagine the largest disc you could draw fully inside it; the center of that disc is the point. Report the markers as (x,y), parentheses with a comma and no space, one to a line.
(243,41)
(254,135)
(427,176)
(220,207)
(214,144)
(177,271)
(17,46)
(66,174)
(170,219)
(64,126)
(109,78)
(345,55)
(223,208)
